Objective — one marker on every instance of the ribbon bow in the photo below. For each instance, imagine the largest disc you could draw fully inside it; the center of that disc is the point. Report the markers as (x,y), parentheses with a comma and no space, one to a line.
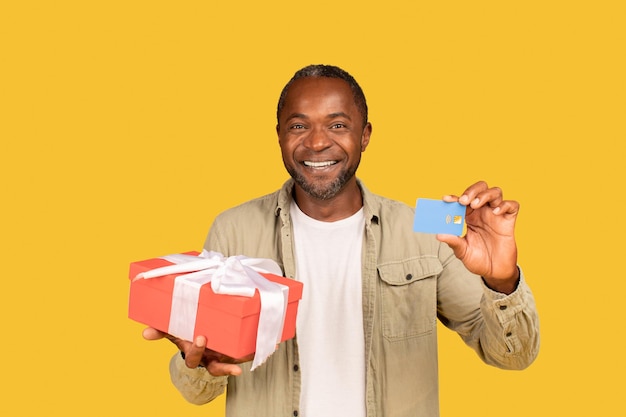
(235,275)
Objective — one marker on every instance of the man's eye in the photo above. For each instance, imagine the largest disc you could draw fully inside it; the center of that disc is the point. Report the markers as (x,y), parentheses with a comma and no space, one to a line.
(337,126)
(297,126)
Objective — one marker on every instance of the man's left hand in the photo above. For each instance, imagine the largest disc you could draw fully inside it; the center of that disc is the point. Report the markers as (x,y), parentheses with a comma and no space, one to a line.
(488,247)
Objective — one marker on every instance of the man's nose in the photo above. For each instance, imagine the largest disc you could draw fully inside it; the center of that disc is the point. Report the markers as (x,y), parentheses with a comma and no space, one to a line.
(318,139)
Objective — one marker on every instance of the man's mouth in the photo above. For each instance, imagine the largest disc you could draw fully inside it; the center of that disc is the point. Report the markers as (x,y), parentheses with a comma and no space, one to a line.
(321,164)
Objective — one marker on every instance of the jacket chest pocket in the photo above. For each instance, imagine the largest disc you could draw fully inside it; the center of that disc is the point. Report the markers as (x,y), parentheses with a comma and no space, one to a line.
(408,292)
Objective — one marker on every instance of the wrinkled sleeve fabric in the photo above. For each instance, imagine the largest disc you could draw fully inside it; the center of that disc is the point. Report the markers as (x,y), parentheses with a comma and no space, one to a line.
(196,385)
(510,338)
(503,330)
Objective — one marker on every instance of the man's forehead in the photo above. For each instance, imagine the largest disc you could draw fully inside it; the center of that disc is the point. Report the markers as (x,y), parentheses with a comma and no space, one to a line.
(312,88)
(328,82)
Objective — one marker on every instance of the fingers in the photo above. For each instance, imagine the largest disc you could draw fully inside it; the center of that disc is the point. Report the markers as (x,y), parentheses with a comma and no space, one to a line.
(480,194)
(469,194)
(197,354)
(194,352)
(507,207)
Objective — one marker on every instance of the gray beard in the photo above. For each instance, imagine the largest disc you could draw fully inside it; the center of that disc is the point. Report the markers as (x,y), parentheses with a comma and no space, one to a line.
(325,191)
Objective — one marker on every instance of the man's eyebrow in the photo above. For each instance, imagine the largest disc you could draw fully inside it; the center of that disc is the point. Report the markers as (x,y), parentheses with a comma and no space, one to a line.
(296,116)
(329,116)
(339,114)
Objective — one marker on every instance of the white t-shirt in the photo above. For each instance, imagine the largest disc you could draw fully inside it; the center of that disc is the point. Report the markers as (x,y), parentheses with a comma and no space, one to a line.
(330,315)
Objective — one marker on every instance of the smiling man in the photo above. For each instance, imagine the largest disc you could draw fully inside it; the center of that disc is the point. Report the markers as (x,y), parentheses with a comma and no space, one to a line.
(366,342)
(322,133)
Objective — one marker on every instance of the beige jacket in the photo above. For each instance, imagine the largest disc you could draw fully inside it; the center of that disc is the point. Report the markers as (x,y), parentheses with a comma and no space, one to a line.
(409,280)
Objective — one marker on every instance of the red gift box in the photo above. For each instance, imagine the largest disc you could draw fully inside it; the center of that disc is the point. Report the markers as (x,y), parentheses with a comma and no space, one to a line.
(229,322)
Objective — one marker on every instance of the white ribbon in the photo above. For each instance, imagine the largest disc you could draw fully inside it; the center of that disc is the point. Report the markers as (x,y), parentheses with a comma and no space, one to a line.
(235,275)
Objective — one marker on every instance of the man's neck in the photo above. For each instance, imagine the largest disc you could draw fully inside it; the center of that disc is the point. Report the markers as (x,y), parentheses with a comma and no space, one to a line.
(343,205)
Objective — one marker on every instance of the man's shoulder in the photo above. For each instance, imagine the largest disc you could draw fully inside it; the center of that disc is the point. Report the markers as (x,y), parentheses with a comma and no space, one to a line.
(266,204)
(248,228)
(386,207)
(394,211)
(391,204)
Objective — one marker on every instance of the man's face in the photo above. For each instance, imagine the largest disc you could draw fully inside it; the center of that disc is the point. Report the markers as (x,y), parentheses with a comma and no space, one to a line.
(321,135)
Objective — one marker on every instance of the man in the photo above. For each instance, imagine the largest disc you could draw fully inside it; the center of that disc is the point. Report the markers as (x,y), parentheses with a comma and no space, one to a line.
(366,341)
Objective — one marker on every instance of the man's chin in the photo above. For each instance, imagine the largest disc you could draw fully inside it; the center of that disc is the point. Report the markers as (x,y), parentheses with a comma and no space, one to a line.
(321,189)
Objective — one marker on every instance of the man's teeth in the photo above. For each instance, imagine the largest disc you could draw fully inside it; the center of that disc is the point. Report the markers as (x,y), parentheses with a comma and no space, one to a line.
(319,164)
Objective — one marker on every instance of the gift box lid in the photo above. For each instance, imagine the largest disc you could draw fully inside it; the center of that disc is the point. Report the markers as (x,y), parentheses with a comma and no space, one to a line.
(233,304)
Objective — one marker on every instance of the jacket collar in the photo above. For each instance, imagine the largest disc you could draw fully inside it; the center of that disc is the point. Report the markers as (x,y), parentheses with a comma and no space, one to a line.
(371,205)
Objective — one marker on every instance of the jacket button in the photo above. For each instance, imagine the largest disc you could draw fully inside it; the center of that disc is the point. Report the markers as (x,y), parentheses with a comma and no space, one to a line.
(502,307)
(409,277)
(295,413)
(296,368)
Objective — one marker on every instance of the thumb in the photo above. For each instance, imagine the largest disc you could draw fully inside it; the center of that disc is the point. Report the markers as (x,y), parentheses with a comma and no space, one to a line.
(216,368)
(150,333)
(457,244)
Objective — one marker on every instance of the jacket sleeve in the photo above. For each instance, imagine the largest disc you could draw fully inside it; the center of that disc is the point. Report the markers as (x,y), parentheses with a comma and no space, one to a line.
(196,385)
(502,329)
(510,337)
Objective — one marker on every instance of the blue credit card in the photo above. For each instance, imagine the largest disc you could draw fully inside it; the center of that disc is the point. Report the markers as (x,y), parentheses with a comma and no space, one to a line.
(437,216)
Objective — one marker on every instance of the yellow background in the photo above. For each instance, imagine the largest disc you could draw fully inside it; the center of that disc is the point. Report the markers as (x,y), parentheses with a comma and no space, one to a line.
(127,126)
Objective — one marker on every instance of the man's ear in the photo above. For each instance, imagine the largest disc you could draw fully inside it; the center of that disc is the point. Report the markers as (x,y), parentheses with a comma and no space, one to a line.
(365,137)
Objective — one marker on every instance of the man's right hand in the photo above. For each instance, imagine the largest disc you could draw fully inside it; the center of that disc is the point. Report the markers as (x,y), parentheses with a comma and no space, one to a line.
(196,354)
